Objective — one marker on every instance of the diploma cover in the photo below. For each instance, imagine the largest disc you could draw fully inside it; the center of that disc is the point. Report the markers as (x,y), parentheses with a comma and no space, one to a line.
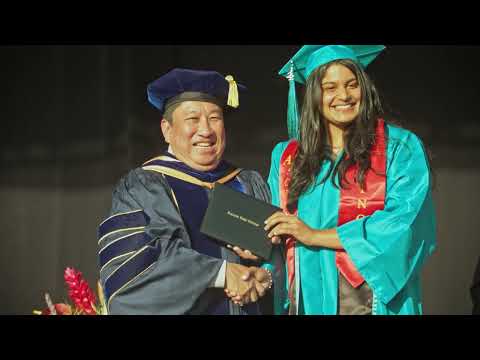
(237,219)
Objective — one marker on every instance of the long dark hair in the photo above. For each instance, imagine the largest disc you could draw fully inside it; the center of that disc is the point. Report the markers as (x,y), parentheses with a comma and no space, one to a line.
(314,148)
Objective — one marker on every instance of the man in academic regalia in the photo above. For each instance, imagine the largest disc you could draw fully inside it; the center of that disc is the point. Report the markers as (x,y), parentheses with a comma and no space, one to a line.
(153,257)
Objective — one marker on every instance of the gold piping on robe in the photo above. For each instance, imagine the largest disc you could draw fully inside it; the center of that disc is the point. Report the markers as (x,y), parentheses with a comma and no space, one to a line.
(190,179)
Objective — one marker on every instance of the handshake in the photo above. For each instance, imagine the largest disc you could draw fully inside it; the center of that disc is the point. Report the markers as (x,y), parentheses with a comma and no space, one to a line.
(244,285)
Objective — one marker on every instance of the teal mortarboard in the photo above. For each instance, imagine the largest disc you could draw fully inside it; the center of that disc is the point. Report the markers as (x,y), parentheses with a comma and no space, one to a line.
(311,57)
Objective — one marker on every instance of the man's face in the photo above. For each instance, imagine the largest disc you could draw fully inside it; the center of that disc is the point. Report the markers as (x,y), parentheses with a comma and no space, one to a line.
(196,134)
(341,95)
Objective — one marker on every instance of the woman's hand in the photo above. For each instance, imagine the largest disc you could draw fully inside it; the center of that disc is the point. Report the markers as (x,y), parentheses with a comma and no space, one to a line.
(282,225)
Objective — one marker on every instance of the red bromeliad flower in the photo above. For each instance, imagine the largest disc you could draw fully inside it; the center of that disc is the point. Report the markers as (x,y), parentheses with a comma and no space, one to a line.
(79,291)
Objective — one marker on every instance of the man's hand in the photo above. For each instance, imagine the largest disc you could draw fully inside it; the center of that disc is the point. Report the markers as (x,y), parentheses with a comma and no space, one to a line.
(244,254)
(237,282)
(253,285)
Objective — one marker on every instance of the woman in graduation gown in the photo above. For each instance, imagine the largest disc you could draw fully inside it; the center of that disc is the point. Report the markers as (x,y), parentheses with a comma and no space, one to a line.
(358,221)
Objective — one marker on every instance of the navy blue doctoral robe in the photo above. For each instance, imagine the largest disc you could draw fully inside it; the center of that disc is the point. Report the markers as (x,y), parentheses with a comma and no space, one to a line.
(153,258)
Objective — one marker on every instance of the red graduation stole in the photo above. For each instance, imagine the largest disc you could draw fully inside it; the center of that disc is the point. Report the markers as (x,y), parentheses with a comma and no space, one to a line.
(355,203)
(285,177)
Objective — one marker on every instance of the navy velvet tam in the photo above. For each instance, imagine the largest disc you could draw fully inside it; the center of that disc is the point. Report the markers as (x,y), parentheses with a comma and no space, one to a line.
(180,85)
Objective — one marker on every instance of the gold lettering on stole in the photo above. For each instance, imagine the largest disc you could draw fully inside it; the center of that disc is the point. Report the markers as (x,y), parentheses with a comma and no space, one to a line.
(362,203)
(288,160)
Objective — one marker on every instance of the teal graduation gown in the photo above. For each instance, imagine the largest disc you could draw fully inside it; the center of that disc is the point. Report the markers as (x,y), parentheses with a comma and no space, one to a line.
(389,248)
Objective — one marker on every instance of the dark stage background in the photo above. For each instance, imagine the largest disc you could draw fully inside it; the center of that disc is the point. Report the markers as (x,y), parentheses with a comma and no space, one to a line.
(76,118)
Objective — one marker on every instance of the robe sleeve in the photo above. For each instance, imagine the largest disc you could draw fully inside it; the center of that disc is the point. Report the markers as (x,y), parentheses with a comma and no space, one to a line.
(274,174)
(147,264)
(391,246)
(277,264)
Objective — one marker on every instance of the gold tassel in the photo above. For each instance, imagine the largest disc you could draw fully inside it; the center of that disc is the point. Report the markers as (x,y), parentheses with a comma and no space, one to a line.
(232,92)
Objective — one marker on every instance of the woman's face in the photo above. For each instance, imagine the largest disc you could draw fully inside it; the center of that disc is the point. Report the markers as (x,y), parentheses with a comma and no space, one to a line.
(341,95)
